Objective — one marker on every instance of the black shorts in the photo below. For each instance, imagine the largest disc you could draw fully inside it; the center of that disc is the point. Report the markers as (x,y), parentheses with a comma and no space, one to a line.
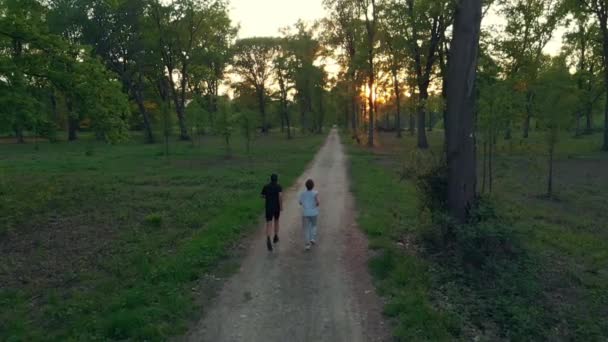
(272,214)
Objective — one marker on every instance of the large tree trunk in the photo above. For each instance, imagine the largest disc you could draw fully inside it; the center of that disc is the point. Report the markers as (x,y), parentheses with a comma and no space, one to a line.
(460,133)
(422,141)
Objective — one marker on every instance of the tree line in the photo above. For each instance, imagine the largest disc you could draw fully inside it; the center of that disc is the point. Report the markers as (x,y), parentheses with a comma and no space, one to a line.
(112,66)
(409,50)
(149,65)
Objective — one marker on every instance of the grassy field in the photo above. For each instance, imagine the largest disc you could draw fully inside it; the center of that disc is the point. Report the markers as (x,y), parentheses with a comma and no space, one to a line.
(102,242)
(550,284)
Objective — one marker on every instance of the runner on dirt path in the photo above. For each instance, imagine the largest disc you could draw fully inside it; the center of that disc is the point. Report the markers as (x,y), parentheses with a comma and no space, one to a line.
(273,195)
(309,200)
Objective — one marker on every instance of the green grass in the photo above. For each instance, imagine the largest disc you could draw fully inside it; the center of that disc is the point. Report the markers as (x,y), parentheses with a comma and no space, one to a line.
(104,242)
(551,285)
(388,214)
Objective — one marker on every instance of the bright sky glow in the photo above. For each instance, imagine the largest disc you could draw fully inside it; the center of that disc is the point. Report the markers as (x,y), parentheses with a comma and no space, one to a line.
(266,17)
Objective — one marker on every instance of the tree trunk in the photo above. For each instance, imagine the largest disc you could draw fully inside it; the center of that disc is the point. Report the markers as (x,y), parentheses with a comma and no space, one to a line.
(491,162)
(54,107)
(370,132)
(398,117)
(484,169)
(262,106)
(353,100)
(286,113)
(462,173)
(422,141)
(321,112)
(412,124)
(508,131)
(19,135)
(139,99)
(72,129)
(550,177)
(527,126)
(589,121)
(72,122)
(604,27)
(605,147)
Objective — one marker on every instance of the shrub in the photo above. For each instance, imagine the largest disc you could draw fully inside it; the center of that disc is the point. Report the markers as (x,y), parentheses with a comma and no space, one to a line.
(154,220)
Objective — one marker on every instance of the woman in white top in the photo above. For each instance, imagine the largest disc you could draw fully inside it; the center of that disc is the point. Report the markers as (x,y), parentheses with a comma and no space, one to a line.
(309,200)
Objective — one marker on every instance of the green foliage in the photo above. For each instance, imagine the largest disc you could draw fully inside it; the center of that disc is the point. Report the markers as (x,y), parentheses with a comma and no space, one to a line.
(557,99)
(198,117)
(225,122)
(38,62)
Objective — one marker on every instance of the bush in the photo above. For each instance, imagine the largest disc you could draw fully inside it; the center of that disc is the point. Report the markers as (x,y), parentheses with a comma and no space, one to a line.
(154,220)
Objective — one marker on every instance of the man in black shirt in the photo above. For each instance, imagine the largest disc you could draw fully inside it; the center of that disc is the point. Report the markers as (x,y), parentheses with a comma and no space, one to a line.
(273,194)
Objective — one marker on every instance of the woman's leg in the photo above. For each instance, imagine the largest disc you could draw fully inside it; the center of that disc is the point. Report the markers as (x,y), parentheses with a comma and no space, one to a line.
(313,229)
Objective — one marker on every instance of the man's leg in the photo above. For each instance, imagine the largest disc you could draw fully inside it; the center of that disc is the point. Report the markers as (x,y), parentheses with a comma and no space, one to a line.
(276,229)
(268,231)
(276,226)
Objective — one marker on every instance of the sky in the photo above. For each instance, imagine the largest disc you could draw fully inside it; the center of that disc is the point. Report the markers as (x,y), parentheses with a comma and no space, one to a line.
(266,17)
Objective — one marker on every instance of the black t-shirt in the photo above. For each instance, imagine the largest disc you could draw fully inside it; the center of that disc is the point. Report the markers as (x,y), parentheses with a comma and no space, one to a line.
(271,194)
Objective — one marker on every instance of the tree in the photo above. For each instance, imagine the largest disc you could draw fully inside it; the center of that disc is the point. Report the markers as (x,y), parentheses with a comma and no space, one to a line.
(247,123)
(369,9)
(284,76)
(309,78)
(599,8)
(116,30)
(582,47)
(557,102)
(530,26)
(344,31)
(41,62)
(394,46)
(224,125)
(424,24)
(182,30)
(252,61)
(460,124)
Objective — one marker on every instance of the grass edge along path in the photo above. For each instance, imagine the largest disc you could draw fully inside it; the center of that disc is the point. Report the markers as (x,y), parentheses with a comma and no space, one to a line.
(387,213)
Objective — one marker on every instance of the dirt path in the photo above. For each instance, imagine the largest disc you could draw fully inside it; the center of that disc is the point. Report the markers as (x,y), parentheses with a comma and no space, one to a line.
(292,295)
